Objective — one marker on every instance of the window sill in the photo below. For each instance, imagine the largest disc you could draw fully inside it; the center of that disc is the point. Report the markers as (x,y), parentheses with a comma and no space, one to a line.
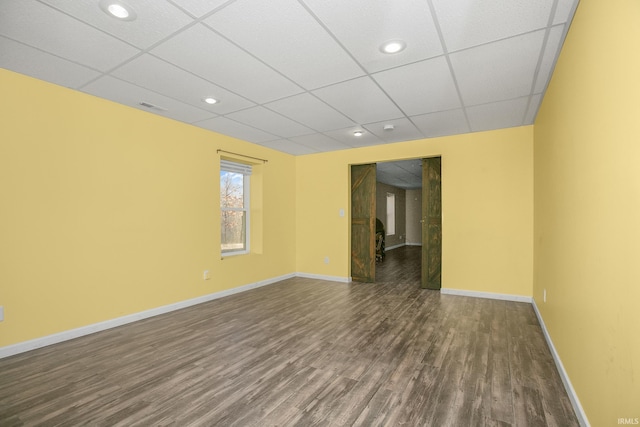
(231,254)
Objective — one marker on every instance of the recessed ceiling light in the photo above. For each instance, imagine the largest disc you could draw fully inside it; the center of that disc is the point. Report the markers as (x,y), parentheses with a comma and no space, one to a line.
(393,46)
(118,9)
(389,127)
(358,133)
(210,100)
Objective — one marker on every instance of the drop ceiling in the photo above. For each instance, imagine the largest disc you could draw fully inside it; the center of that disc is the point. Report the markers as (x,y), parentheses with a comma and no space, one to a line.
(300,76)
(405,174)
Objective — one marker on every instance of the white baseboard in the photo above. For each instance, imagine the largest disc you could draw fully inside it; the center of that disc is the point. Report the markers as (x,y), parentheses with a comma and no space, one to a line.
(323,277)
(489,295)
(22,347)
(573,397)
(388,248)
(25,346)
(575,402)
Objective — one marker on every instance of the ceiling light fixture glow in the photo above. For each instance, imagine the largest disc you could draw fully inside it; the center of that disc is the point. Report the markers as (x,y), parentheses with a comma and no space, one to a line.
(358,133)
(118,9)
(210,100)
(393,46)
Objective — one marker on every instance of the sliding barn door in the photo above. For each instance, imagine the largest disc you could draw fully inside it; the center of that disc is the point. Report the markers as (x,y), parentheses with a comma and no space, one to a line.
(363,222)
(431,223)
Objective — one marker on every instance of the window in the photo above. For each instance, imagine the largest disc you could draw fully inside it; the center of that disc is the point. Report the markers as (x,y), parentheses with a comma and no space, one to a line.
(234,206)
(391,214)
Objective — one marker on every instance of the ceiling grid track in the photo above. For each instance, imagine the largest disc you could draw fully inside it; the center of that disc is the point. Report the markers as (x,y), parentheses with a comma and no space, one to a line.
(300,76)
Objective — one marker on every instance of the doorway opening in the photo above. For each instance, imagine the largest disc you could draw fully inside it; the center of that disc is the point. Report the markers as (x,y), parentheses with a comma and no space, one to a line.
(396,222)
(399,209)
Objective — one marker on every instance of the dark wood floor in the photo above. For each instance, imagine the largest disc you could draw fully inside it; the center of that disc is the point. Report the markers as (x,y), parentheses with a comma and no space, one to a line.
(301,352)
(400,265)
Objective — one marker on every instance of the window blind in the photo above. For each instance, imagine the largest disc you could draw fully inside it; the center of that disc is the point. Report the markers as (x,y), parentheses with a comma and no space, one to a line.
(235,167)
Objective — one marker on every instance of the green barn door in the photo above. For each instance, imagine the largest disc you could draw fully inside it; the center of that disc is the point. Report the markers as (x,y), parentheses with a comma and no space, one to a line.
(431,223)
(363,222)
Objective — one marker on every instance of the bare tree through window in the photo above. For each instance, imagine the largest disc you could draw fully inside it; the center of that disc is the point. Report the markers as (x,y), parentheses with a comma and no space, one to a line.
(233,211)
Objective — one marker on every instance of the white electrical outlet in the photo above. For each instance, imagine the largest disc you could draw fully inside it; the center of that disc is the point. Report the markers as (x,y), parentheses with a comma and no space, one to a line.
(1,313)
(544,295)
(206,275)
(326,260)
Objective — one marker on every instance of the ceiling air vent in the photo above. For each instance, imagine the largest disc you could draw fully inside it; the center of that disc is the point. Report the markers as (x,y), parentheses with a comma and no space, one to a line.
(151,106)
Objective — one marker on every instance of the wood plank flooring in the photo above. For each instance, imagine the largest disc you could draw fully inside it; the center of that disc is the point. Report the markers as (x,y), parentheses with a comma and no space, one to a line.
(302,352)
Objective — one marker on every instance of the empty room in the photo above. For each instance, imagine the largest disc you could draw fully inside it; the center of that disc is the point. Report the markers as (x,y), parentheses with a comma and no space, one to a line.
(189,230)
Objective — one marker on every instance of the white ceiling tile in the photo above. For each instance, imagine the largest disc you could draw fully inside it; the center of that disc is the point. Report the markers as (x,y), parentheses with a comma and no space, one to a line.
(312,58)
(155,20)
(532,110)
(403,130)
(391,179)
(157,75)
(199,7)
(319,142)
(213,58)
(235,129)
(405,174)
(289,147)
(408,179)
(498,71)
(384,167)
(128,94)
(498,115)
(385,178)
(347,137)
(269,121)
(467,23)
(300,75)
(42,27)
(41,65)
(310,111)
(414,165)
(423,87)
(548,58)
(363,25)
(442,123)
(564,11)
(361,100)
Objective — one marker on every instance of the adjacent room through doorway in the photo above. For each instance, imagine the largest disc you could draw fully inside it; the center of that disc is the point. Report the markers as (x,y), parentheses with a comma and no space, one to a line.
(387,228)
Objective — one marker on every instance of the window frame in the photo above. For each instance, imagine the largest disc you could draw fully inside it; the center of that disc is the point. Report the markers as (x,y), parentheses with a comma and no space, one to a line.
(231,166)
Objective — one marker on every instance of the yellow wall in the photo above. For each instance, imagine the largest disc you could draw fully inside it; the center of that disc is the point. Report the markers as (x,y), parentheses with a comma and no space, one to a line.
(487,200)
(587,209)
(107,211)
